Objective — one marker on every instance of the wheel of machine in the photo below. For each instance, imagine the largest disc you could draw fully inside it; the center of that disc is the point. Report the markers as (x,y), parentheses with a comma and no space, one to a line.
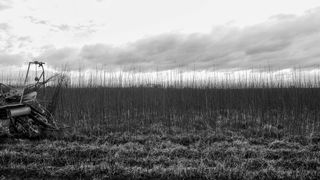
(40,112)
(24,127)
(12,127)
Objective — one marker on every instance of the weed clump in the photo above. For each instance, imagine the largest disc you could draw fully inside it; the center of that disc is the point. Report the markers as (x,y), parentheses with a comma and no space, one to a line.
(269,131)
(281,144)
(255,164)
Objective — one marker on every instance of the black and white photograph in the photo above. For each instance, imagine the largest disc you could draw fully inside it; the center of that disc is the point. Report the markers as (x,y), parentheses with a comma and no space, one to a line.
(160,89)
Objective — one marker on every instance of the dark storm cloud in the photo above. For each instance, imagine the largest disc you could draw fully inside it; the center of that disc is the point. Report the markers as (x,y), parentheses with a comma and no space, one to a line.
(282,41)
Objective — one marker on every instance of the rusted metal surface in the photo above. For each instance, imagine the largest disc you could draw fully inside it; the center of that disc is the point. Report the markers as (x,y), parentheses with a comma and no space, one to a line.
(21,114)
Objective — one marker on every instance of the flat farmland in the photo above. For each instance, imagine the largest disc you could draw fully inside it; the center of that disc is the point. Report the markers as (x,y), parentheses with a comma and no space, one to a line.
(174,133)
(159,153)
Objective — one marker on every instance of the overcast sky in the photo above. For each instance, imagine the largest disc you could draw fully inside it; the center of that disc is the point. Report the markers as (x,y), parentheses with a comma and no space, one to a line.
(162,34)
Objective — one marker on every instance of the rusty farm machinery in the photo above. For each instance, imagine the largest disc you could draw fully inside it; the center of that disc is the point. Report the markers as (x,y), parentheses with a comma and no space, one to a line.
(22,114)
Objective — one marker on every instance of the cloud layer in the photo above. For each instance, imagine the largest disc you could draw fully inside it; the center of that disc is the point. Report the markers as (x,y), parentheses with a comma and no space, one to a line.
(4,4)
(282,41)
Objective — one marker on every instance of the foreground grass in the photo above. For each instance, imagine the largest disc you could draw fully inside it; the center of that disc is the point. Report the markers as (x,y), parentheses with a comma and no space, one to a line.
(157,154)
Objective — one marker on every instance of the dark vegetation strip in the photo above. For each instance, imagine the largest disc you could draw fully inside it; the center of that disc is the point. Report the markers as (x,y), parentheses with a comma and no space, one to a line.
(101,110)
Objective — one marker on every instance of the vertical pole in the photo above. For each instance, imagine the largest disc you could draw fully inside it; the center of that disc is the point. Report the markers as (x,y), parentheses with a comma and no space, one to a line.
(43,80)
(25,82)
(26,79)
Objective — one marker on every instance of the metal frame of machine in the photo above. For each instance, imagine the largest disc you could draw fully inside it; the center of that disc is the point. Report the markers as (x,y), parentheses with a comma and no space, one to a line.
(28,118)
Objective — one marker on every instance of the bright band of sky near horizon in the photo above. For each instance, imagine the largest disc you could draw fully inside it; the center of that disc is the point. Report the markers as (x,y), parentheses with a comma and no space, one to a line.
(67,23)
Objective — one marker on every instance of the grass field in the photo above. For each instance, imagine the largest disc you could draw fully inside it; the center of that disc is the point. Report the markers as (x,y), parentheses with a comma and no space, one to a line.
(162,153)
(252,131)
